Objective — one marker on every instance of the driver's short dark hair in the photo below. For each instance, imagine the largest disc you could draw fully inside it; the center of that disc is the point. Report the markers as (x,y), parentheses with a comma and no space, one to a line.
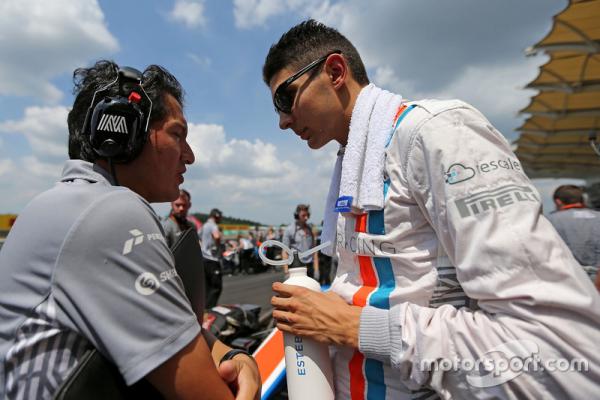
(306,42)
(157,82)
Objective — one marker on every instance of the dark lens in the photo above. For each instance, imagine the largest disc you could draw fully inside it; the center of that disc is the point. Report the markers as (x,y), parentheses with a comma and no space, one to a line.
(283,100)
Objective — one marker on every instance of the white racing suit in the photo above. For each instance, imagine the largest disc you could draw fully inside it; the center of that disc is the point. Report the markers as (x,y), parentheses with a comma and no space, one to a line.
(467,288)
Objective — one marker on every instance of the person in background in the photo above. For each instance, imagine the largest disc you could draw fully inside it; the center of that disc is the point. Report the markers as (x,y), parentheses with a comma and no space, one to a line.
(210,239)
(271,251)
(86,264)
(579,227)
(299,236)
(178,221)
(443,251)
(247,247)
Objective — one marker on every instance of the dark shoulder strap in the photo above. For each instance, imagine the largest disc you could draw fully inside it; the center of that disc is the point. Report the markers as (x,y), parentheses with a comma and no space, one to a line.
(189,264)
(96,378)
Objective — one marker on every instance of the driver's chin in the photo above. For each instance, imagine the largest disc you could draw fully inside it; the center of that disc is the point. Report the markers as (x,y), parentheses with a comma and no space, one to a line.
(168,196)
(314,144)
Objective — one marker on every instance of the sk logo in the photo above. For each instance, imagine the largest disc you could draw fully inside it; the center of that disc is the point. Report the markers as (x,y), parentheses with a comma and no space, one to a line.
(147,283)
(458,173)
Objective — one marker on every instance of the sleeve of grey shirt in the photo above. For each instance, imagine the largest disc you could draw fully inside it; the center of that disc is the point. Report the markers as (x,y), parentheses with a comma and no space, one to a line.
(116,284)
(287,236)
(170,231)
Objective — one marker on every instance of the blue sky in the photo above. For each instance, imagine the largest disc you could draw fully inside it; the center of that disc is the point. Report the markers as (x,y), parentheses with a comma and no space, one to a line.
(468,49)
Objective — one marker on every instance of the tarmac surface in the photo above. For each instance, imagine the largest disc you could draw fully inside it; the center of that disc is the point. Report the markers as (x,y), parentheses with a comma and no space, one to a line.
(250,289)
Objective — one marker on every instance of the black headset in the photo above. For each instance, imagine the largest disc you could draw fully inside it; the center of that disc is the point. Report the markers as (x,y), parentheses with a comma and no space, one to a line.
(299,208)
(215,213)
(117,126)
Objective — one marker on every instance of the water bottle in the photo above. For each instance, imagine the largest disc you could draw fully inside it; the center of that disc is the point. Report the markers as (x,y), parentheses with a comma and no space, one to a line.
(307,362)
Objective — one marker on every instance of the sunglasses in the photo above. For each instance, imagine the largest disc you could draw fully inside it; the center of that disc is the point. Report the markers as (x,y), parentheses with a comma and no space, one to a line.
(283,100)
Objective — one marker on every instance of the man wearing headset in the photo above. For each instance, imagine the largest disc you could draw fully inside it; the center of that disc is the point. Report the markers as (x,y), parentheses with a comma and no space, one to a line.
(299,236)
(448,268)
(86,264)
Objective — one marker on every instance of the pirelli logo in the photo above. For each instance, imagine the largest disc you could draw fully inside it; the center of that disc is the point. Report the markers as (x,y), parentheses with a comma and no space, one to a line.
(112,123)
(494,199)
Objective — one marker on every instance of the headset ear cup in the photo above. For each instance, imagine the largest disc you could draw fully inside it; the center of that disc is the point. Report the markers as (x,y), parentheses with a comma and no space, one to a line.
(116,124)
(109,148)
(116,129)
(296,216)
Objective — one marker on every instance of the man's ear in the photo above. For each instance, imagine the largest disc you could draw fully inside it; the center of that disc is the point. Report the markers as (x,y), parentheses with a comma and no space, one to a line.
(559,204)
(337,70)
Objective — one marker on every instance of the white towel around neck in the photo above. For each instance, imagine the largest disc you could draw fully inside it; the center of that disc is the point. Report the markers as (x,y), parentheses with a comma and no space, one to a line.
(358,171)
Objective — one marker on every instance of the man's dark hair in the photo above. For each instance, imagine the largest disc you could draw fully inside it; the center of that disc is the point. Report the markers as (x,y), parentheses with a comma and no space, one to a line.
(302,207)
(307,42)
(215,212)
(183,192)
(157,82)
(569,194)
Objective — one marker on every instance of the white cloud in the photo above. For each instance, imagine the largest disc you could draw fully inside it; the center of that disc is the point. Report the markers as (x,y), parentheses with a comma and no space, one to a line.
(386,77)
(251,13)
(255,177)
(41,39)
(45,128)
(256,13)
(203,62)
(497,90)
(40,169)
(24,178)
(235,156)
(189,12)
(7,166)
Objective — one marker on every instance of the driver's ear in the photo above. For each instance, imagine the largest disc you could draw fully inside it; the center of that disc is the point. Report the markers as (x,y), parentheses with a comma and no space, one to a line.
(336,68)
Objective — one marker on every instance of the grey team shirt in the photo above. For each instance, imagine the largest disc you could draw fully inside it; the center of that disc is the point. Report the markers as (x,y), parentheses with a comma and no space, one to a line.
(580,229)
(297,238)
(86,265)
(209,250)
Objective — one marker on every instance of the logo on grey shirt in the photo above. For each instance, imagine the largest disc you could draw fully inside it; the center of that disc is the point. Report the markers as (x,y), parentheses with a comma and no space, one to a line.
(147,283)
(138,238)
(134,241)
(494,199)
